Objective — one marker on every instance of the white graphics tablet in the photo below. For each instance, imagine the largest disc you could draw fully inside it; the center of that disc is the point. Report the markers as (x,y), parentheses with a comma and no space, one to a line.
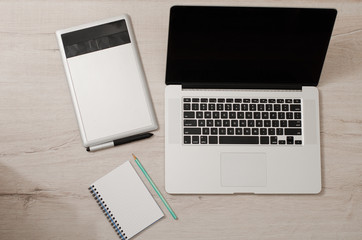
(106,81)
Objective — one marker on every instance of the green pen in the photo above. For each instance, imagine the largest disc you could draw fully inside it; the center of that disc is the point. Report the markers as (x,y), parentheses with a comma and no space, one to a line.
(154,186)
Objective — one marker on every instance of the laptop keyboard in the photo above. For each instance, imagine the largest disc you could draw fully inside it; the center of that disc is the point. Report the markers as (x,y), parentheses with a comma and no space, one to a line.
(242,121)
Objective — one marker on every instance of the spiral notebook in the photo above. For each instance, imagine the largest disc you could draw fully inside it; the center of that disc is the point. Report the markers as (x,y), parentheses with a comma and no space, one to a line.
(125,200)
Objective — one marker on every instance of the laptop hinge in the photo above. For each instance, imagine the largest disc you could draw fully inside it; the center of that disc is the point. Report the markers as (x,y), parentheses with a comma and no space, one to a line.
(264,86)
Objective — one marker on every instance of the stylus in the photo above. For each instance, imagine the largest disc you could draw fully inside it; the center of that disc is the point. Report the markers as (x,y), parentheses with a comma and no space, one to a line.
(119,142)
(154,186)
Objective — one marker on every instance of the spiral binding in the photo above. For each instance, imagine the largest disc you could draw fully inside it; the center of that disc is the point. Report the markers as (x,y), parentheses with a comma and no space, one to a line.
(107,212)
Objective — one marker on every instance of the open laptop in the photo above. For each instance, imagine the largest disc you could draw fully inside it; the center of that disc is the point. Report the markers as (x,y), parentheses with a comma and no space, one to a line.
(242,107)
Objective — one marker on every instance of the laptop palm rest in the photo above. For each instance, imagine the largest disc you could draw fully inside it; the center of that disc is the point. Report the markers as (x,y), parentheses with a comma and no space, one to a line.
(243,169)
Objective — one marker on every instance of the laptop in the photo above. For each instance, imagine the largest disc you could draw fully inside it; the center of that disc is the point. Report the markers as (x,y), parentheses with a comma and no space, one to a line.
(241,102)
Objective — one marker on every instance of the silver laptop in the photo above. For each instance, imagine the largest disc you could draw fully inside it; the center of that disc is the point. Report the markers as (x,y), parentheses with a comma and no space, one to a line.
(242,107)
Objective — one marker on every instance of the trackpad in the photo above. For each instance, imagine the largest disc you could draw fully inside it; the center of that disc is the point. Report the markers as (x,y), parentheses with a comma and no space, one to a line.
(243,169)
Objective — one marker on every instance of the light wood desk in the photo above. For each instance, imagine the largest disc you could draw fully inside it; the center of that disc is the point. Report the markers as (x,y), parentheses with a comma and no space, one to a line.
(45,172)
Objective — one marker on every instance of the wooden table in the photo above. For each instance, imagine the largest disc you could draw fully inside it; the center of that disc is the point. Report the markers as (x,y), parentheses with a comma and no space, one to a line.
(45,171)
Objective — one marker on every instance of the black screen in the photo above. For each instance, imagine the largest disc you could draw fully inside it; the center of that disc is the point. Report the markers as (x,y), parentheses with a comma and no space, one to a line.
(247,47)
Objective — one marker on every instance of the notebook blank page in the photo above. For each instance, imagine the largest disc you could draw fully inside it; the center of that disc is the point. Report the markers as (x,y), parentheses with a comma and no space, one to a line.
(128,199)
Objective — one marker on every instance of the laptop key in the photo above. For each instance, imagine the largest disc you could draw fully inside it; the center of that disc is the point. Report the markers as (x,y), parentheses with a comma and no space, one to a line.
(210,123)
(296,123)
(212,140)
(293,131)
(273,140)
(259,123)
(281,115)
(199,114)
(189,114)
(263,131)
(213,131)
(201,123)
(215,114)
(242,123)
(187,99)
(239,131)
(252,107)
(265,115)
(285,107)
(222,131)
(264,140)
(271,131)
(190,122)
(267,123)
(251,123)
(205,131)
(187,106)
(226,123)
(192,130)
(290,140)
(289,115)
(195,106)
(234,123)
(187,139)
(211,106)
(276,107)
(195,139)
(239,140)
(236,107)
(203,139)
(295,107)
(297,115)
(283,123)
(275,123)
(269,107)
(232,115)
(261,107)
(230,131)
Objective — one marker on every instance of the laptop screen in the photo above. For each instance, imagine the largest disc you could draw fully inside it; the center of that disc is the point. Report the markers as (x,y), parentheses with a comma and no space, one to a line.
(247,47)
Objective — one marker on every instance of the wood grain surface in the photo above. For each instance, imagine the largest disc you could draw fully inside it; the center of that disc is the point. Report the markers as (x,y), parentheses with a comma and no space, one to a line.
(45,171)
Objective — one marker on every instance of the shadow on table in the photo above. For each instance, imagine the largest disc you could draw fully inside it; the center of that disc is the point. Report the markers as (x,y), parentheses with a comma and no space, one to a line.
(30,211)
